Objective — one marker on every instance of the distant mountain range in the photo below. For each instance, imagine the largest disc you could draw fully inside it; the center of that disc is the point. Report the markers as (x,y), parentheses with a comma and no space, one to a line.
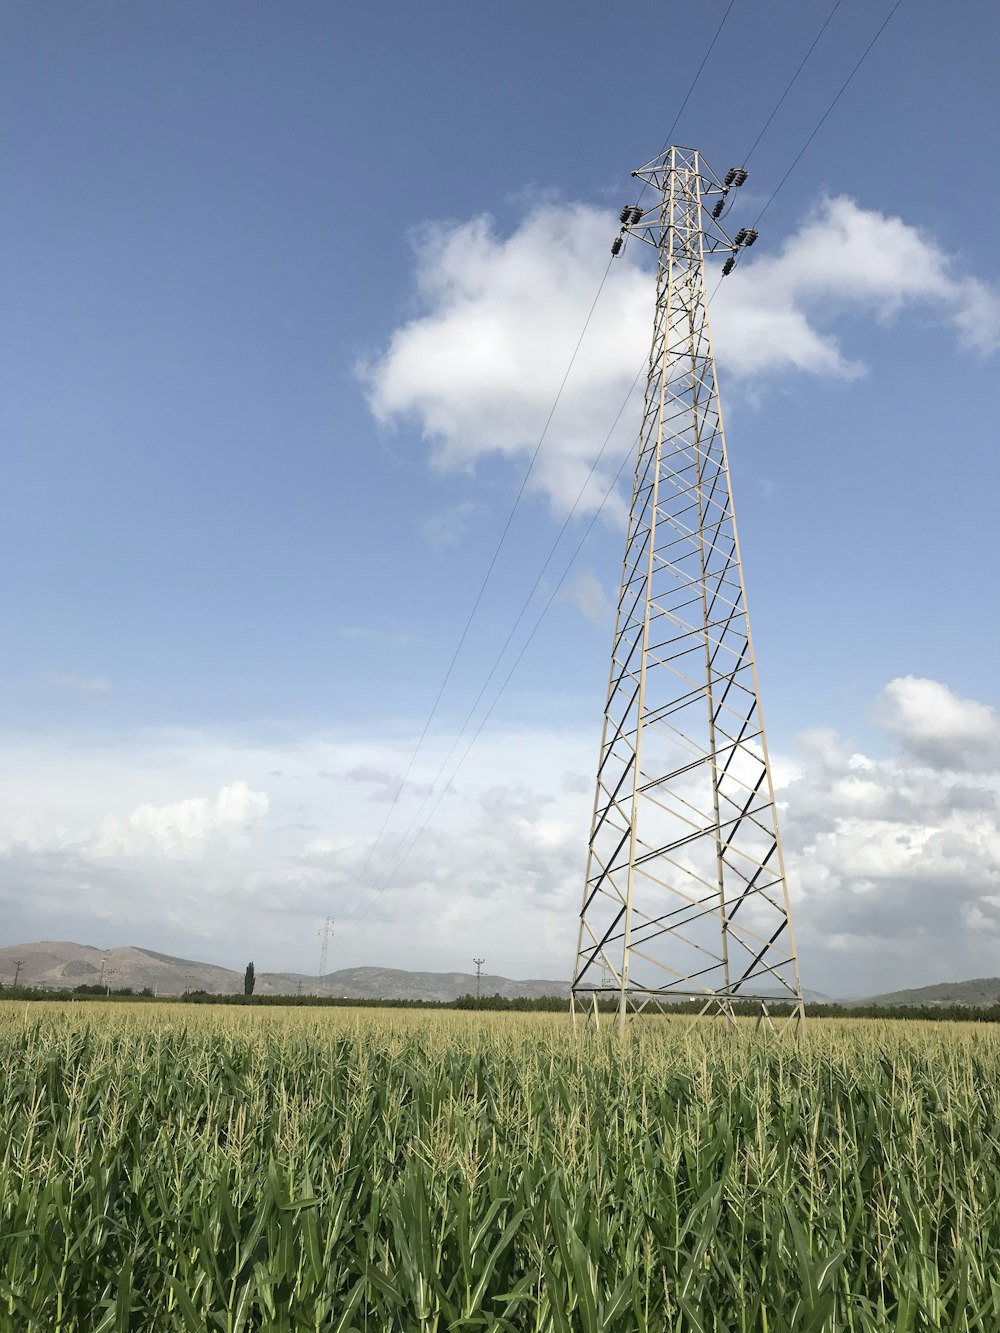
(981,993)
(61,964)
(55,964)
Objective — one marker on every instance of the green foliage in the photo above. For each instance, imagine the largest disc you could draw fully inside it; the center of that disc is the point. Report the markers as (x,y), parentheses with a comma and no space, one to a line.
(249,979)
(172,1168)
(93,988)
(543,1004)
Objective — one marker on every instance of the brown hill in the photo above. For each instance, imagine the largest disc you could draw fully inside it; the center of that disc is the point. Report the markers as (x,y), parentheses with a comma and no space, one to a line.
(981,993)
(63,965)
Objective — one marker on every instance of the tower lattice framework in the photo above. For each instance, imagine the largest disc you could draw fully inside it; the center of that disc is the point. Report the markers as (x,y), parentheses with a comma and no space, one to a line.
(685,895)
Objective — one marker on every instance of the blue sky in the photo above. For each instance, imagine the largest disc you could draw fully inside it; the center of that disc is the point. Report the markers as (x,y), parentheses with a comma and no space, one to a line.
(239,543)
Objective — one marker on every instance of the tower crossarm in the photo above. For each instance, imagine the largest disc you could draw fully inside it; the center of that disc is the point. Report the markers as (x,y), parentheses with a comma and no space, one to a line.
(655,223)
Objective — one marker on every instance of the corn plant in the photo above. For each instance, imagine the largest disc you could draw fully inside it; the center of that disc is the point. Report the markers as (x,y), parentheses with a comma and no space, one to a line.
(168,1169)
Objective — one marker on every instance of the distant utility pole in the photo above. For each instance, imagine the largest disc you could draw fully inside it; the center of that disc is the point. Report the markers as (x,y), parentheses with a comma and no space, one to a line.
(18,964)
(479,972)
(326,934)
(103,961)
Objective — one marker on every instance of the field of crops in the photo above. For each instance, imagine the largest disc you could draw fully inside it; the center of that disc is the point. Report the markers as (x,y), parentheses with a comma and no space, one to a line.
(165,1168)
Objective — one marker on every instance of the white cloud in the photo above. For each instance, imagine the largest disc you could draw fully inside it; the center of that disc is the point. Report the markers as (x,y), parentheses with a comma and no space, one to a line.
(85,684)
(933,724)
(772,313)
(500,851)
(386,786)
(478,368)
(897,860)
(586,593)
(384,635)
(451,525)
(183,828)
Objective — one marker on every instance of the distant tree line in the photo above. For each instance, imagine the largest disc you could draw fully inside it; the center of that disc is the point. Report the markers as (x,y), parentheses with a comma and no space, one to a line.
(102,992)
(555,1004)
(748,1008)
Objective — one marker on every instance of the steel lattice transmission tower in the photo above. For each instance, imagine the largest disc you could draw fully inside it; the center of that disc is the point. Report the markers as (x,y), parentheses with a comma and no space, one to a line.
(685,894)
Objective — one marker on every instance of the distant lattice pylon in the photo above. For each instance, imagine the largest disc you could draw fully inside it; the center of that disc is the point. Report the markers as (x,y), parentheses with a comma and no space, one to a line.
(685,895)
(326,933)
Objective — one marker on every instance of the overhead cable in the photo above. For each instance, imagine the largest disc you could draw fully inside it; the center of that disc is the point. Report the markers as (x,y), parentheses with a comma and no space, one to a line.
(791,82)
(482,587)
(383,881)
(822,120)
(378,886)
(517,500)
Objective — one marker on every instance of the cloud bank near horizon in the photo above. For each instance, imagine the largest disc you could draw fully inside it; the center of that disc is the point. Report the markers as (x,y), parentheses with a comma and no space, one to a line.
(894,858)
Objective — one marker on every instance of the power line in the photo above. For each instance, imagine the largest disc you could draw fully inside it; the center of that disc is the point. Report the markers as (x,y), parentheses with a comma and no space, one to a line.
(548,559)
(780,102)
(378,889)
(506,680)
(822,120)
(694,83)
(377,886)
(482,587)
(697,76)
(792,81)
(382,881)
(517,500)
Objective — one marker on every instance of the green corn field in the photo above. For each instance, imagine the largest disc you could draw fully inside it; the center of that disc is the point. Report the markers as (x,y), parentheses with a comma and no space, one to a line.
(171,1169)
